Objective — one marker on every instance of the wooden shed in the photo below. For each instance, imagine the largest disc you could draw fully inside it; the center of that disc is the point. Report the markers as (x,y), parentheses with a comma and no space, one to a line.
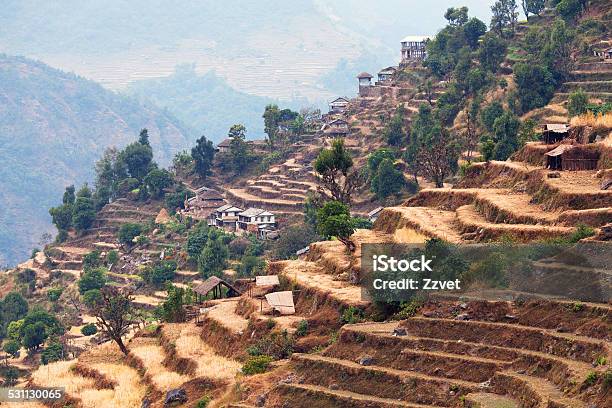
(553,133)
(215,285)
(572,157)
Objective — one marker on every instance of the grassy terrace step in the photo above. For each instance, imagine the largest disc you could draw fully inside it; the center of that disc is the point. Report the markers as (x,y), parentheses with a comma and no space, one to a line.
(247,199)
(582,75)
(379,381)
(504,206)
(588,86)
(489,400)
(472,222)
(563,96)
(533,391)
(509,335)
(429,222)
(466,360)
(310,396)
(394,353)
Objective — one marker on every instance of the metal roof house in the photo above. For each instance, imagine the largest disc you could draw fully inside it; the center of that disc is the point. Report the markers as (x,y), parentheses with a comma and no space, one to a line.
(553,132)
(256,220)
(414,48)
(338,105)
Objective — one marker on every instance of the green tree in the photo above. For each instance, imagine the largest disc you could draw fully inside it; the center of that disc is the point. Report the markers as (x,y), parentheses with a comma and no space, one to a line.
(213,259)
(69,196)
(92,297)
(473,30)
(394,132)
(197,239)
(53,352)
(487,146)
(138,159)
(129,231)
(504,16)
(533,7)
(251,265)
(333,170)
(490,113)
(527,132)
(12,348)
(203,154)
(535,85)
(12,307)
(239,150)
(570,9)
(94,278)
(376,157)
(84,212)
(14,328)
(492,52)
(505,130)
(160,273)
(156,181)
(143,137)
(34,335)
(388,180)
(271,117)
(334,220)
(92,259)
(61,216)
(456,16)
(173,308)
(578,103)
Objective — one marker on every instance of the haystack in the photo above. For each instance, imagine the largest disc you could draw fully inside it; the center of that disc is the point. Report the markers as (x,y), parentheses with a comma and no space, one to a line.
(163,217)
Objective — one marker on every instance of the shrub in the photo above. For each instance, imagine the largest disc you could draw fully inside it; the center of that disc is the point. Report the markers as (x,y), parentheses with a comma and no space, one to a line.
(256,365)
(112,257)
(53,352)
(577,103)
(203,402)
(129,231)
(351,315)
(53,294)
(302,328)
(89,329)
(590,379)
(12,348)
(582,231)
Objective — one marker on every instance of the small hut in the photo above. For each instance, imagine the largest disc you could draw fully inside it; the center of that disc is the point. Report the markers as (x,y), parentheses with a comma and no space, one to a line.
(215,285)
(553,133)
(281,302)
(572,157)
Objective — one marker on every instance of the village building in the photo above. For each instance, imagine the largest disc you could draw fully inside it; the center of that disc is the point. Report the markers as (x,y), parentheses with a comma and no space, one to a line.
(224,145)
(256,221)
(572,157)
(365,82)
(386,74)
(553,133)
(338,105)
(225,217)
(336,128)
(414,48)
(203,204)
(216,288)
(373,215)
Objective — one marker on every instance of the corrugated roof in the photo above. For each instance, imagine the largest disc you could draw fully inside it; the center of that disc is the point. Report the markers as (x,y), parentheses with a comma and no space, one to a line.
(364,75)
(340,99)
(223,207)
(416,38)
(556,127)
(375,211)
(559,150)
(267,280)
(281,301)
(251,212)
(205,287)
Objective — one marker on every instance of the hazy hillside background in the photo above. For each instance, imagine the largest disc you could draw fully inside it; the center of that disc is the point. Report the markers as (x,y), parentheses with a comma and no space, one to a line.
(208,63)
(53,127)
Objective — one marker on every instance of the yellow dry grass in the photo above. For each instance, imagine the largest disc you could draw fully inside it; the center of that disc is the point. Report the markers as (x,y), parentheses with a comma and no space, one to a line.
(59,374)
(209,365)
(600,121)
(128,393)
(224,312)
(152,356)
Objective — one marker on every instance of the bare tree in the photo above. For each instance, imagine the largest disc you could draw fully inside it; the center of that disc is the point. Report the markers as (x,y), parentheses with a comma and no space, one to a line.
(113,314)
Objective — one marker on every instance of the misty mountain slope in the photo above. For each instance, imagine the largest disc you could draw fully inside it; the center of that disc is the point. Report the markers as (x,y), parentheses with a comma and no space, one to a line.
(205,102)
(53,127)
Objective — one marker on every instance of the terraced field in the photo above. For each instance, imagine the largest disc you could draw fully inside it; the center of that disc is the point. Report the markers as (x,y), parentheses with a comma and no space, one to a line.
(444,362)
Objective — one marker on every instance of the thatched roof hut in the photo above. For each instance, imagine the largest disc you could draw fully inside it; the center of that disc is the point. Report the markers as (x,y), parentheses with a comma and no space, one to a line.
(572,157)
(215,285)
